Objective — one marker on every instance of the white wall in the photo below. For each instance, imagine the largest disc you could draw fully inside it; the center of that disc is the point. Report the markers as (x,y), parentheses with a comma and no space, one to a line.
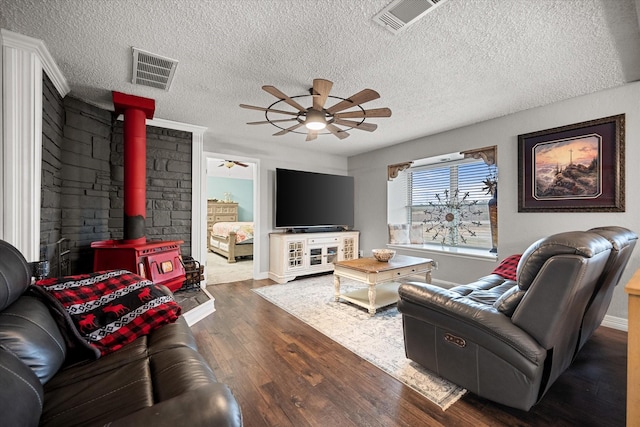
(516,230)
(272,156)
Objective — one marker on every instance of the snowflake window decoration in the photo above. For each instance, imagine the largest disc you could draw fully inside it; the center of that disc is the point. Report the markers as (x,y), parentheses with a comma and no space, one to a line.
(451,218)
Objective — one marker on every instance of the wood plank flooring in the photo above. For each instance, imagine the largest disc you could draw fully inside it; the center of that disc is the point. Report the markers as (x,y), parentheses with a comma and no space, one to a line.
(285,373)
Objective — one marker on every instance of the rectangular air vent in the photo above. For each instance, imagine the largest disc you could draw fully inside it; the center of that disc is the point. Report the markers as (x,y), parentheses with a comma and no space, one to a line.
(152,70)
(401,14)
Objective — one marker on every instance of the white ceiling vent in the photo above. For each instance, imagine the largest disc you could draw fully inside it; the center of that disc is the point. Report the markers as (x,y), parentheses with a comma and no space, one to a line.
(401,14)
(152,70)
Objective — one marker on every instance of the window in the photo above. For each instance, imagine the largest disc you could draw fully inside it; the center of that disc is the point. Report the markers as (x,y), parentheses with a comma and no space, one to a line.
(446,203)
(451,203)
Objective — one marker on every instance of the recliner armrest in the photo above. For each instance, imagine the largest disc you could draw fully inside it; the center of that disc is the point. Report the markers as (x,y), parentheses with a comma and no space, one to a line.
(209,405)
(482,323)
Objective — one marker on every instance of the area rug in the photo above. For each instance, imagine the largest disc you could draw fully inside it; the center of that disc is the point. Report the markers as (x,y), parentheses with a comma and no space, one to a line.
(377,339)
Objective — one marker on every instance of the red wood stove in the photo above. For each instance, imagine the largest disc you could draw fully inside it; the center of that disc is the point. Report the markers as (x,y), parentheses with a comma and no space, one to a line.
(158,261)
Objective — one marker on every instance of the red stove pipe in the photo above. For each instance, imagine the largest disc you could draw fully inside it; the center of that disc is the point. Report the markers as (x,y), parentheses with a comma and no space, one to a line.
(135,165)
(135,110)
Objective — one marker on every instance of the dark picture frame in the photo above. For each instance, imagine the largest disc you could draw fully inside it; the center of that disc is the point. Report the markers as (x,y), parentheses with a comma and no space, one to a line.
(574,168)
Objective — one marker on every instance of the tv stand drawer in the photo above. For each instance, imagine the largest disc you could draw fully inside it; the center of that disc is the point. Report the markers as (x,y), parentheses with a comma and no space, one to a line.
(323,240)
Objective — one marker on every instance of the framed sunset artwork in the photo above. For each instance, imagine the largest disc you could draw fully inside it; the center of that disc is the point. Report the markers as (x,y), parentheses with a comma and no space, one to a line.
(573,168)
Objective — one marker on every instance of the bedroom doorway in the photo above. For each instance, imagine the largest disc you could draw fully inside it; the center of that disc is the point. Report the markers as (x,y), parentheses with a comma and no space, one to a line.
(230,193)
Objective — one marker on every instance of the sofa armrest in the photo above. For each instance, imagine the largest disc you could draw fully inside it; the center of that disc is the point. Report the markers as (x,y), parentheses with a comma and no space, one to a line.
(21,393)
(209,405)
(481,323)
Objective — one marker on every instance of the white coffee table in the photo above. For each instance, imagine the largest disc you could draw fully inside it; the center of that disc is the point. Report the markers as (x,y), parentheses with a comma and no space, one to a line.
(380,278)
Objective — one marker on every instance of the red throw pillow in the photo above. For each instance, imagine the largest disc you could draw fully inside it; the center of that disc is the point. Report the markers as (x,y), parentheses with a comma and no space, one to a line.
(508,267)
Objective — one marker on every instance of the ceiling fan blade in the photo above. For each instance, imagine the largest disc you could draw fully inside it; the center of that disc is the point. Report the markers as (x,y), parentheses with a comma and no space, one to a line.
(337,131)
(369,127)
(361,97)
(376,112)
(278,94)
(287,130)
(321,89)
(311,135)
(271,121)
(270,110)
(241,164)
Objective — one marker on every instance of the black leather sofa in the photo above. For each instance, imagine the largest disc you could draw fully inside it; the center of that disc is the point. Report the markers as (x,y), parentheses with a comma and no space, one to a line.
(158,380)
(509,340)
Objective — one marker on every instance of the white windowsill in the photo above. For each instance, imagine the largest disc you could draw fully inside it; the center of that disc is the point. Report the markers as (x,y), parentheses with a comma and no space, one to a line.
(479,254)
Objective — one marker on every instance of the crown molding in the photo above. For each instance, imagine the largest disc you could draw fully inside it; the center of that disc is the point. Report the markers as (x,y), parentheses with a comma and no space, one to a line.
(37,47)
(168,124)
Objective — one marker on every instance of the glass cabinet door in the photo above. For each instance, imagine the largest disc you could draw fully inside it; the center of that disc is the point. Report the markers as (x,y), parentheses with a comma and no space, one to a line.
(315,256)
(332,254)
(295,254)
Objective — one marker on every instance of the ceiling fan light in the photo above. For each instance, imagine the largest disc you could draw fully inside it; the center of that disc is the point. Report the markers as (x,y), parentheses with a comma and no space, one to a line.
(315,125)
(315,120)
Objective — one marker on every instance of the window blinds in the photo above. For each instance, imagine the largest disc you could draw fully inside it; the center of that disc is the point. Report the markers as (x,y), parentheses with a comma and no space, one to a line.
(425,183)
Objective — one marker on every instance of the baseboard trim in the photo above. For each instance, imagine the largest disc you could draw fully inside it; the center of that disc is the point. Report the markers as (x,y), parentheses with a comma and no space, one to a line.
(618,323)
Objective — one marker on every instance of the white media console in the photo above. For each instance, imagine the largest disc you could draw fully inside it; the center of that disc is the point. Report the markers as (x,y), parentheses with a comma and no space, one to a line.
(299,254)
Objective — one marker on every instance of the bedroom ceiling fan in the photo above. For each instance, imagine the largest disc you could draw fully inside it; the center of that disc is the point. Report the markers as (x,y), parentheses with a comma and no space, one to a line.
(317,118)
(231,163)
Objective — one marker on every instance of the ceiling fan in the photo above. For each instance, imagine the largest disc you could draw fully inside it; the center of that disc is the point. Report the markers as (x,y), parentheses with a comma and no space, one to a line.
(231,163)
(316,117)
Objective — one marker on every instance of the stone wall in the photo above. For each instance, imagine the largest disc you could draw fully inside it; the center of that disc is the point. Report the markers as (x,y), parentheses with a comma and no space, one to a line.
(52,137)
(86,179)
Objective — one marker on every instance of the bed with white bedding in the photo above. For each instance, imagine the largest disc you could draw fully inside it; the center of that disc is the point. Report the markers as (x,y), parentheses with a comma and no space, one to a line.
(231,239)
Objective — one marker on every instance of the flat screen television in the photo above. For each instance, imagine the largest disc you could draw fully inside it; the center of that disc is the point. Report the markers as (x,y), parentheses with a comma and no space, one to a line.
(310,200)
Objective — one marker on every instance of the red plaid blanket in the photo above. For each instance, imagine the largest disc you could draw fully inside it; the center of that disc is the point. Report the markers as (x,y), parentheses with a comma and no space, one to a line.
(110,309)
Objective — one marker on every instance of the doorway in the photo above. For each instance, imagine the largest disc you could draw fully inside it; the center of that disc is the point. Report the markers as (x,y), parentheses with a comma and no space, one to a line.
(231,198)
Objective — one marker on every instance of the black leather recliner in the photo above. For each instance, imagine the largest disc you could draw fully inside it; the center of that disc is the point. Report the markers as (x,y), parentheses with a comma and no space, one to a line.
(508,341)
(158,380)
(622,241)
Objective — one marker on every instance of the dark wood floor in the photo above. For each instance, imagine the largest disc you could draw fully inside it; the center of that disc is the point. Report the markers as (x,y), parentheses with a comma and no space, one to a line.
(285,373)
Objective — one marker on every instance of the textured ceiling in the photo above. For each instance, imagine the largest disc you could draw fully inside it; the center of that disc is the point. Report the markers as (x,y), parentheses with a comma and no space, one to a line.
(465,62)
